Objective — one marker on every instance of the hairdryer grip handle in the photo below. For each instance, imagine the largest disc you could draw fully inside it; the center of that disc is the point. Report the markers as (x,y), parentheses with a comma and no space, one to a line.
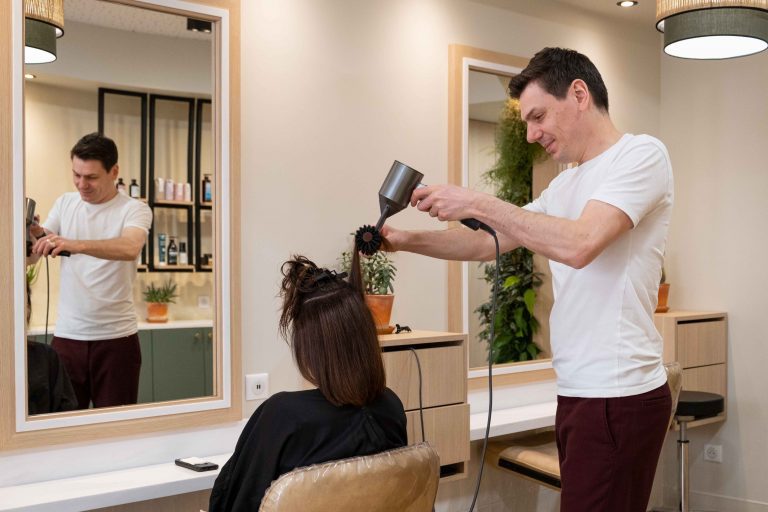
(65,253)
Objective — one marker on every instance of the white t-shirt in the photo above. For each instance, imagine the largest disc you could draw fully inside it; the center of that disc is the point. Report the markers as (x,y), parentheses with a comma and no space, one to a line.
(604,342)
(96,295)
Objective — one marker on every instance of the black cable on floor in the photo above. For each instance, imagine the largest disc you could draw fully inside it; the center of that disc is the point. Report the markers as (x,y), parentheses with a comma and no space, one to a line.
(421,407)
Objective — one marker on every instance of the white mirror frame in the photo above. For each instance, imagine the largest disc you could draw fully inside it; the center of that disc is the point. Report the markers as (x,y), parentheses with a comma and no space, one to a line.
(227,356)
(462,60)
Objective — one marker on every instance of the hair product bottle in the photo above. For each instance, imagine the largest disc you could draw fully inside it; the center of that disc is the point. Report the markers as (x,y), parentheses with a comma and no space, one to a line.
(161,248)
(183,258)
(173,252)
(207,191)
(120,185)
(135,189)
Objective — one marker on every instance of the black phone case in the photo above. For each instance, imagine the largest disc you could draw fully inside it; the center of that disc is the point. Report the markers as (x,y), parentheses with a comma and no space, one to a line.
(203,466)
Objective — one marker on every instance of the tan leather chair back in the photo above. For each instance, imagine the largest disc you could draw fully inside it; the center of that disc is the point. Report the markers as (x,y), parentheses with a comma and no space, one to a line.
(400,480)
(675,382)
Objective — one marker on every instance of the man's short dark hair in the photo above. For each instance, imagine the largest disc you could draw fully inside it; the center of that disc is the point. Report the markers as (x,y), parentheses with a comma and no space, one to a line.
(95,146)
(555,69)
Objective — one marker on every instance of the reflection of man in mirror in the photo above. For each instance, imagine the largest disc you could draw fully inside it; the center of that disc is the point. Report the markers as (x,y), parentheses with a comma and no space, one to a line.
(104,231)
(603,225)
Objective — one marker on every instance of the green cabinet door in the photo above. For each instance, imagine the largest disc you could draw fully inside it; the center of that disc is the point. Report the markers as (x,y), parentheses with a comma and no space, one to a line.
(178,367)
(146,393)
(208,360)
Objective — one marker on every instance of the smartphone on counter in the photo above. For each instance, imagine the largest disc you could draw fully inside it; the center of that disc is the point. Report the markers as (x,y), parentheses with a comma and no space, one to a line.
(196,464)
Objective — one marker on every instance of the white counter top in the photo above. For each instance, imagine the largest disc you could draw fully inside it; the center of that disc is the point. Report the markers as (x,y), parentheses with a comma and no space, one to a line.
(108,489)
(143,326)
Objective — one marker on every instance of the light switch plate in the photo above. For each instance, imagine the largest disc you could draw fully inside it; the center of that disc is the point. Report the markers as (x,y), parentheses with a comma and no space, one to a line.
(256,386)
(203,301)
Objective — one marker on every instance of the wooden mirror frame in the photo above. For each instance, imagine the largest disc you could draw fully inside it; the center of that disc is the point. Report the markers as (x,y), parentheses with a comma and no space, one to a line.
(461,60)
(17,430)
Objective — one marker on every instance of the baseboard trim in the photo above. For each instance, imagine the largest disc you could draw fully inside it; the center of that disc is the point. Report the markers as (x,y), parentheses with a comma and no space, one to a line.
(712,501)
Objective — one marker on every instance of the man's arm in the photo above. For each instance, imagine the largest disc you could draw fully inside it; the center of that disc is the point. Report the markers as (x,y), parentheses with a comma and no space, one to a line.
(126,247)
(457,244)
(572,242)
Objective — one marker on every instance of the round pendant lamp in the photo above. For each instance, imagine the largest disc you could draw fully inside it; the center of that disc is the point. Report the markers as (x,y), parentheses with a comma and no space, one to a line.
(713,29)
(39,42)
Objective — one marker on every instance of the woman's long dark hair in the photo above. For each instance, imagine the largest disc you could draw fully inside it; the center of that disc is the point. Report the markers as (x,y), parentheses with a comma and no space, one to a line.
(331,332)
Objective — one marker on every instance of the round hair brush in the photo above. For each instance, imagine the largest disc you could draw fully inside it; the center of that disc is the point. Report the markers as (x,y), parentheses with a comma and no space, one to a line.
(368,239)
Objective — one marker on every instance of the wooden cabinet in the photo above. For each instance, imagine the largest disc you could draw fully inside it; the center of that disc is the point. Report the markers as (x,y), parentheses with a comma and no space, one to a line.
(443,361)
(698,341)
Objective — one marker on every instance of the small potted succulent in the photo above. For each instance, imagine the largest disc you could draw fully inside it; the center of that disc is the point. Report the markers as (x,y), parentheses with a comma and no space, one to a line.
(157,299)
(662,306)
(378,273)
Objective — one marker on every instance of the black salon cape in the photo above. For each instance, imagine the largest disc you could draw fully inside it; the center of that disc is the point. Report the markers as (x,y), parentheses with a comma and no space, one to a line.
(296,429)
(48,385)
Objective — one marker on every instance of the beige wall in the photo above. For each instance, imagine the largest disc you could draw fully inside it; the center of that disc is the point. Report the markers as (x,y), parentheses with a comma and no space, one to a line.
(714,120)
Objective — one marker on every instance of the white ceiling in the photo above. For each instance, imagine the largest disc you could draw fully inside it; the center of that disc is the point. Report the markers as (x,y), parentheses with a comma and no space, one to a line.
(129,18)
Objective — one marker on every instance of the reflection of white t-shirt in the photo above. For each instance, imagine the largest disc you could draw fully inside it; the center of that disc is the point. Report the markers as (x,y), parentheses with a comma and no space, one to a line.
(604,342)
(96,295)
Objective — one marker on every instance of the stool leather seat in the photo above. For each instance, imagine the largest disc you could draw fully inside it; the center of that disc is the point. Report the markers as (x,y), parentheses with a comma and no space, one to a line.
(699,404)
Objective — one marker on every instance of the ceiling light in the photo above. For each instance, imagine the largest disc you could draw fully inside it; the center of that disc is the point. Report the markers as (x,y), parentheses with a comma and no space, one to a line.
(713,29)
(29,76)
(39,42)
(627,3)
(199,25)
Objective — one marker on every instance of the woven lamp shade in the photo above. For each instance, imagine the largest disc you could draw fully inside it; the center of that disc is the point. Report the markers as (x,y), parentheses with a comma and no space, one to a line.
(713,29)
(47,11)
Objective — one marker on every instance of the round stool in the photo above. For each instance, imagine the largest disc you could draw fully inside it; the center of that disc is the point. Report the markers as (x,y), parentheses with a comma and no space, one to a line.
(693,405)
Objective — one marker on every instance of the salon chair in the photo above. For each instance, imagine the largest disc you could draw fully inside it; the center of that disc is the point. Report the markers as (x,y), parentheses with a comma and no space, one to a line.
(534,457)
(399,480)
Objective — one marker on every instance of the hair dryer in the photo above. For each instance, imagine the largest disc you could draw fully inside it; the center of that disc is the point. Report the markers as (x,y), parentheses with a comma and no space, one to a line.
(29,218)
(395,195)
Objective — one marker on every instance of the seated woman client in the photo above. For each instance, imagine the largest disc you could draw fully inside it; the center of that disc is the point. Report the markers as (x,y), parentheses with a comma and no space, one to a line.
(333,339)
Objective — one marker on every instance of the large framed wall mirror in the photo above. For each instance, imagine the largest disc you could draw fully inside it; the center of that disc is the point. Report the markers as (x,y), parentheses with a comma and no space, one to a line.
(478,94)
(155,77)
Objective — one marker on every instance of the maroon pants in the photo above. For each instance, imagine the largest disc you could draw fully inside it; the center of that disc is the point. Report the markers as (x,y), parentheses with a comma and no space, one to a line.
(609,448)
(105,372)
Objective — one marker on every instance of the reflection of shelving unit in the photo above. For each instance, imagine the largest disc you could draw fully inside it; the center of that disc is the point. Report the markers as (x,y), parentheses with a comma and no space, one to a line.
(173,137)
(202,208)
(171,119)
(122,116)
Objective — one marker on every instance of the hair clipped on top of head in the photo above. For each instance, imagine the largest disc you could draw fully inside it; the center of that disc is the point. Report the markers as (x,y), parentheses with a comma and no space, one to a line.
(331,332)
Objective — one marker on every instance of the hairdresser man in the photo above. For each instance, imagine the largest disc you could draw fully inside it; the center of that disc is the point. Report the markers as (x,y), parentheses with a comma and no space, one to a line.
(96,329)
(603,225)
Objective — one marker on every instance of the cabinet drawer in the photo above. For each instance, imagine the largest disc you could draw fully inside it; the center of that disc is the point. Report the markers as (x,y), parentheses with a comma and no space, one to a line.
(443,371)
(446,429)
(701,343)
(705,378)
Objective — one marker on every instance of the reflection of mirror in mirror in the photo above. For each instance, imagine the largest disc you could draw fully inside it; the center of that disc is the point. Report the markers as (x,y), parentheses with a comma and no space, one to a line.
(156,106)
(487,95)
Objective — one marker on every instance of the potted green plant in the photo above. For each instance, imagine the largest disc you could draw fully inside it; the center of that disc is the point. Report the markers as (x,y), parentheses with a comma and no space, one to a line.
(157,299)
(662,306)
(378,273)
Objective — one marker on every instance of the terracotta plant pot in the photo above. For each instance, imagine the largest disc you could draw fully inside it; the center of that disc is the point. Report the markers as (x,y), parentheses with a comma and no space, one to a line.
(157,312)
(663,297)
(381,309)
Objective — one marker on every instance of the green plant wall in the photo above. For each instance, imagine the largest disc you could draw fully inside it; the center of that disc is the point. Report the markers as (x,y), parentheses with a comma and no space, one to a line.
(512,177)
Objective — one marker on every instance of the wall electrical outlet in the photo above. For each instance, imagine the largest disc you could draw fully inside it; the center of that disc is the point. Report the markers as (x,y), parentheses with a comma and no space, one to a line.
(713,453)
(256,386)
(203,301)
